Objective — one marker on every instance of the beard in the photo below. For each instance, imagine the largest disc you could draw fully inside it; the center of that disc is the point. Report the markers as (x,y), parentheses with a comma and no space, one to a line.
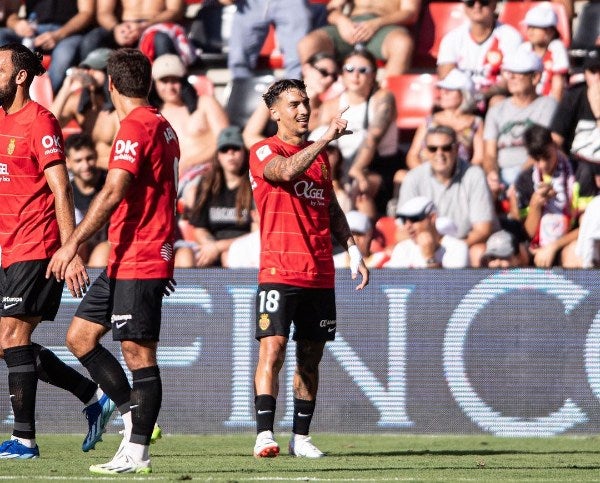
(8,92)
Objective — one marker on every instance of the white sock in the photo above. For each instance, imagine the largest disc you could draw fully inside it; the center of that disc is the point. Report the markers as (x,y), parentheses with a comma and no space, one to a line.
(30,443)
(96,397)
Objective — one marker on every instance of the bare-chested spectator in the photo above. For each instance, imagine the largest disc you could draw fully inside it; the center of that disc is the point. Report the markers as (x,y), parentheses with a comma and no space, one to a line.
(197,130)
(149,25)
(84,98)
(381,26)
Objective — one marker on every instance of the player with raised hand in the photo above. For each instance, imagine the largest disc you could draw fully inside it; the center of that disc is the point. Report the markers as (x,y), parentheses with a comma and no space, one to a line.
(292,187)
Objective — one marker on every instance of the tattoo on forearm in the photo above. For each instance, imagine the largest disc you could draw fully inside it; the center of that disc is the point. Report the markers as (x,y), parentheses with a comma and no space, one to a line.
(283,169)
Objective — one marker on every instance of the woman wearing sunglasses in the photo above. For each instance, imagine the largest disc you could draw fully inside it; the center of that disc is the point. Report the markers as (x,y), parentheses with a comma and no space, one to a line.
(370,155)
(319,75)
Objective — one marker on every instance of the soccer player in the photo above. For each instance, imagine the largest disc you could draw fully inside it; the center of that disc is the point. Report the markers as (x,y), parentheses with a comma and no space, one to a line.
(139,198)
(291,182)
(37,216)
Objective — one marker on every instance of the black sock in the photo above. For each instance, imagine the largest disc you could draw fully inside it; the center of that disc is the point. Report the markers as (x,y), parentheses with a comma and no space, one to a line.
(22,386)
(109,375)
(146,398)
(303,413)
(264,406)
(52,370)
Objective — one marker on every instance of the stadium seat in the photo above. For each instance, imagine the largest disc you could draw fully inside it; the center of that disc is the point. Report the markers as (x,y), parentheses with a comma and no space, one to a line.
(41,90)
(513,13)
(438,18)
(202,85)
(241,97)
(415,96)
(384,234)
(270,56)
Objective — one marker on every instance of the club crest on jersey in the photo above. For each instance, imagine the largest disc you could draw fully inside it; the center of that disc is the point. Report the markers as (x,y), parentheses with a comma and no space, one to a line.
(263,152)
(11,146)
(264,321)
(324,171)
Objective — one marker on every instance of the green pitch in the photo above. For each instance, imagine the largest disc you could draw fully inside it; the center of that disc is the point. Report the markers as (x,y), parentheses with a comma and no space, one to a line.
(349,458)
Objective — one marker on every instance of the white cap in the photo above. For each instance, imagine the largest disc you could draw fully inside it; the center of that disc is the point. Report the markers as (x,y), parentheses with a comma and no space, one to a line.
(500,245)
(542,16)
(523,61)
(419,205)
(167,65)
(358,222)
(456,80)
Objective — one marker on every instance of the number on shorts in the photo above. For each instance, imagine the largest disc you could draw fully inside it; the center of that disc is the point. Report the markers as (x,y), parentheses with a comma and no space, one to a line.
(269,301)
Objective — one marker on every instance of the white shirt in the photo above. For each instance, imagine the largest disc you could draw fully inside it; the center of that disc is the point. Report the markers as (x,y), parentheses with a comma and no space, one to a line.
(452,253)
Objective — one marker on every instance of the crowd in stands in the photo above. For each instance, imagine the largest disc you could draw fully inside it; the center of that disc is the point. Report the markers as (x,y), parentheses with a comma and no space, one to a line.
(503,171)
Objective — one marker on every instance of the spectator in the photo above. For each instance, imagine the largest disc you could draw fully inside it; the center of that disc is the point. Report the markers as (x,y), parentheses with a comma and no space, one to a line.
(501,251)
(455,109)
(370,155)
(244,251)
(543,39)
(457,188)
(86,181)
(54,27)
(151,26)
(382,28)
(362,231)
(198,129)
(479,47)
(319,73)
(425,246)
(506,121)
(576,125)
(221,211)
(292,20)
(544,198)
(587,248)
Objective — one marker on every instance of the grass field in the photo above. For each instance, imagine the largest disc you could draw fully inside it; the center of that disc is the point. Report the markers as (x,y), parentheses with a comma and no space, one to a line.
(349,458)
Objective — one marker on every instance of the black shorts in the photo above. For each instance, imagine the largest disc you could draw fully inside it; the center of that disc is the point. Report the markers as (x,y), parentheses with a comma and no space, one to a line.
(26,291)
(131,308)
(311,309)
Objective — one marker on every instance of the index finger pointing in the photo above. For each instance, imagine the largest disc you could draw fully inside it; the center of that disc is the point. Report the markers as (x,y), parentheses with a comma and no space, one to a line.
(342,111)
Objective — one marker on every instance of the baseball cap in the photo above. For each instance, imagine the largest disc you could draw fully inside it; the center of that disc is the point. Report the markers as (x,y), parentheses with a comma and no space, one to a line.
(501,244)
(358,222)
(417,206)
(542,16)
(96,59)
(522,61)
(456,80)
(230,136)
(592,59)
(167,65)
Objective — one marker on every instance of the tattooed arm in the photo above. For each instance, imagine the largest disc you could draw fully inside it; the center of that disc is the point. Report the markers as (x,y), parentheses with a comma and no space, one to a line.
(384,114)
(281,168)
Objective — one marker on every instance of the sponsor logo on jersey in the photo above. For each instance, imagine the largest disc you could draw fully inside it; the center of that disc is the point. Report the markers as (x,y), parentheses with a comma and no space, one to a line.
(308,190)
(51,144)
(263,152)
(125,150)
(120,319)
(4,172)
(9,302)
(166,252)
(264,321)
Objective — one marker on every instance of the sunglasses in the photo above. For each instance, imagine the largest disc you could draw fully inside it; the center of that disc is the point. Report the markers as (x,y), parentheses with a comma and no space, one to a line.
(325,72)
(471,3)
(226,149)
(361,70)
(446,148)
(412,219)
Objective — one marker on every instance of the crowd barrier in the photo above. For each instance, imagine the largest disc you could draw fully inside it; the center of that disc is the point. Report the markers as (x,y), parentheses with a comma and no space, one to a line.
(509,353)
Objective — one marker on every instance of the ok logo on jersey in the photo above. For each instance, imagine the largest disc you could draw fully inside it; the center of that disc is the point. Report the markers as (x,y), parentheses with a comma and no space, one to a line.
(126,147)
(49,141)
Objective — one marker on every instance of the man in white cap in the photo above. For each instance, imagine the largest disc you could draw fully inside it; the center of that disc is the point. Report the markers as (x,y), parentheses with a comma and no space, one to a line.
(543,39)
(501,251)
(458,189)
(426,247)
(197,130)
(506,122)
(362,231)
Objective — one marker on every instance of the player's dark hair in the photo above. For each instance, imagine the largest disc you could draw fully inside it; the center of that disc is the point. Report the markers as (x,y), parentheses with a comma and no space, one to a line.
(24,59)
(283,85)
(79,141)
(537,139)
(130,71)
